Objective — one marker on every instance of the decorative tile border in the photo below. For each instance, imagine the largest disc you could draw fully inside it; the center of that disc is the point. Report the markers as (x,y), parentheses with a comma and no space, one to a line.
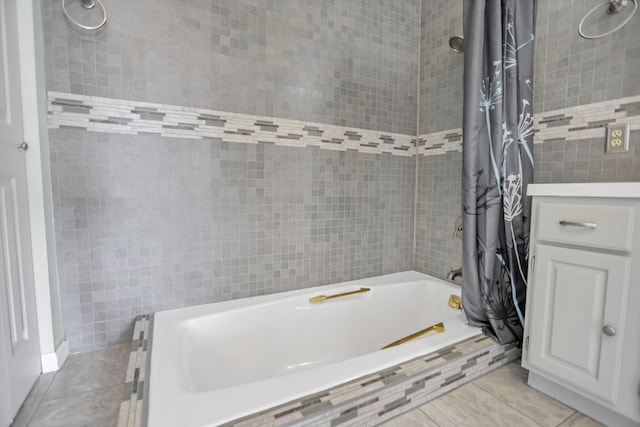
(110,115)
(573,123)
(373,398)
(433,144)
(378,397)
(135,403)
(586,121)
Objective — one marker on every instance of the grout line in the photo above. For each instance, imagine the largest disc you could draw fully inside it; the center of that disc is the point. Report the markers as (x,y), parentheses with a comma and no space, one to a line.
(417,168)
(419,408)
(502,401)
(86,392)
(39,401)
(507,403)
(567,419)
(415,211)
(431,419)
(516,409)
(78,395)
(83,392)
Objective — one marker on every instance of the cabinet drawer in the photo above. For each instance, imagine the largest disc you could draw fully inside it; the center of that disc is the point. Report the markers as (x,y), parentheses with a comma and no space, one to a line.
(589,224)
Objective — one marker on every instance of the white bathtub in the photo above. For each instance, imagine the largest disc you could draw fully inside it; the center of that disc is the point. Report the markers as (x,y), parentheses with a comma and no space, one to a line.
(217,362)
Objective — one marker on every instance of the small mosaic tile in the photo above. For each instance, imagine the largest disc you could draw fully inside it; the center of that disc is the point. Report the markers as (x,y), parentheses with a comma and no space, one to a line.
(98,114)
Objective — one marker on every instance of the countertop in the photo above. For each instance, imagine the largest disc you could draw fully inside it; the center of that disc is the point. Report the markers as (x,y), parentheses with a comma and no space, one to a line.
(599,189)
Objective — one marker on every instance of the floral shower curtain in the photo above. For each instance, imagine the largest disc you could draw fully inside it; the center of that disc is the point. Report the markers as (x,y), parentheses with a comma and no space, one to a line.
(497,163)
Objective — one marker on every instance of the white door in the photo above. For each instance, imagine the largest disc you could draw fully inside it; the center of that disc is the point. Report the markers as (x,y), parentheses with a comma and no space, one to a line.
(19,350)
(576,323)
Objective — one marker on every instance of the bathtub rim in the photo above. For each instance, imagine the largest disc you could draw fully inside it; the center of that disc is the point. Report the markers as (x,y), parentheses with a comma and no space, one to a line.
(189,402)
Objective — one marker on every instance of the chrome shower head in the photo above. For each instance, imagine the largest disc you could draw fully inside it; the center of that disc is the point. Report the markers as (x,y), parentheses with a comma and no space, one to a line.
(616,6)
(457,44)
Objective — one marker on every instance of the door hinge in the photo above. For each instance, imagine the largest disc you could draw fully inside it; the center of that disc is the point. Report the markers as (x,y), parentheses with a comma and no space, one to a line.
(533,263)
(525,347)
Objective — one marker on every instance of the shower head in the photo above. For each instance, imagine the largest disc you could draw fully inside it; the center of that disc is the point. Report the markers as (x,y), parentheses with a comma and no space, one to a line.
(457,44)
(616,6)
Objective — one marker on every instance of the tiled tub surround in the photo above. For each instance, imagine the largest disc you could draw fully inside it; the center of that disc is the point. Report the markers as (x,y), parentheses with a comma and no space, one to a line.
(571,71)
(371,399)
(568,147)
(146,222)
(438,196)
(126,248)
(568,124)
(260,352)
(345,63)
(441,69)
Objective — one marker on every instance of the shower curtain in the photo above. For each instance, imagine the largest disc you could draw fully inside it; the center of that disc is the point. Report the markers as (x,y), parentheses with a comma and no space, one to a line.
(497,163)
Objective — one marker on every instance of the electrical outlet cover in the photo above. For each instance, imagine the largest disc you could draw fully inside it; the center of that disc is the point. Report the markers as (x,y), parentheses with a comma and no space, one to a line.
(617,138)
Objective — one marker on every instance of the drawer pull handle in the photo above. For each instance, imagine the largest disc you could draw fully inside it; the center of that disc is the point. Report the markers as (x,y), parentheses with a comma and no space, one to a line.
(585,224)
(609,330)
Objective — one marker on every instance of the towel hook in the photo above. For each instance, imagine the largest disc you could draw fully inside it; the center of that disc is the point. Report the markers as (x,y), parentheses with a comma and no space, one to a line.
(87,4)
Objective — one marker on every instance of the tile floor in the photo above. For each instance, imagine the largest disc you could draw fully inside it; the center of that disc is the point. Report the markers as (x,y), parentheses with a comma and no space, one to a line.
(88,389)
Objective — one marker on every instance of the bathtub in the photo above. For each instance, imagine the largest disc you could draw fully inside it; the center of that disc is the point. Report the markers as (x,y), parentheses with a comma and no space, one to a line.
(218,362)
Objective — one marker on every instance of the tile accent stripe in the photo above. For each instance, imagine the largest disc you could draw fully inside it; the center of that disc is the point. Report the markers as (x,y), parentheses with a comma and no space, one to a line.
(371,399)
(573,123)
(98,114)
(378,397)
(432,144)
(135,403)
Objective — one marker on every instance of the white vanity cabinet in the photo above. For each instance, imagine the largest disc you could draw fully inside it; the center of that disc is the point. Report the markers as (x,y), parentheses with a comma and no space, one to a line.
(582,322)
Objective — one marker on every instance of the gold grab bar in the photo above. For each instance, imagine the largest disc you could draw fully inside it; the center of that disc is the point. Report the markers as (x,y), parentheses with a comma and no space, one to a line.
(438,327)
(319,298)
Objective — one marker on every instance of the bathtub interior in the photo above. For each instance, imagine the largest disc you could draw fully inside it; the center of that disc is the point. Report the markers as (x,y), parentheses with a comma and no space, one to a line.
(294,335)
(263,359)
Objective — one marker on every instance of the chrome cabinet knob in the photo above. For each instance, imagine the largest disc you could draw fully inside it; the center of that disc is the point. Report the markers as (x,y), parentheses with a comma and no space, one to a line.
(609,330)
(24,146)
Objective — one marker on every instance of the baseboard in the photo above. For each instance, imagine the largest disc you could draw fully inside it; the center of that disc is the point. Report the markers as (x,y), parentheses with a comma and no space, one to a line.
(52,362)
(586,406)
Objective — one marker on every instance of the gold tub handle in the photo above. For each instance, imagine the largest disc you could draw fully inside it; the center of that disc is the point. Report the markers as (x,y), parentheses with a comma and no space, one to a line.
(438,327)
(455,302)
(319,298)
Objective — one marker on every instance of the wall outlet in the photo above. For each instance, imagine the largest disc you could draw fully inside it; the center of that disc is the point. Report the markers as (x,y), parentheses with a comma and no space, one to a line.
(617,138)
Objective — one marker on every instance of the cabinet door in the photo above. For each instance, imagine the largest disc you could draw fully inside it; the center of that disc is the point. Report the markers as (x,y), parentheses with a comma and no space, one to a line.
(576,294)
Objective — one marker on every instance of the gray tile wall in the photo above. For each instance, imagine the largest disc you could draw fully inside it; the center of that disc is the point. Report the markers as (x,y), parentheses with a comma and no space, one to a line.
(438,192)
(438,204)
(438,200)
(585,161)
(348,62)
(438,182)
(146,223)
(570,70)
(441,69)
